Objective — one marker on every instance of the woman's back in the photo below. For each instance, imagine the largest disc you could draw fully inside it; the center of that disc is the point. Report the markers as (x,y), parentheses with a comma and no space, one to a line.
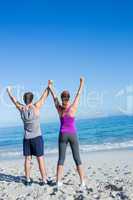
(67,122)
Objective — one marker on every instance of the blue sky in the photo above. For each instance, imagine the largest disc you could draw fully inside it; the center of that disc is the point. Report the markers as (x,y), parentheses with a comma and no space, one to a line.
(62,40)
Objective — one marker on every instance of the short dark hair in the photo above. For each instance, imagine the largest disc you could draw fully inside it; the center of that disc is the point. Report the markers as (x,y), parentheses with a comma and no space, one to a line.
(28,97)
(65,94)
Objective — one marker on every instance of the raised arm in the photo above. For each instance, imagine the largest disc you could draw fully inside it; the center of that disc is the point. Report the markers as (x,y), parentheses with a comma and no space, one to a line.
(13,99)
(77,98)
(42,99)
(55,98)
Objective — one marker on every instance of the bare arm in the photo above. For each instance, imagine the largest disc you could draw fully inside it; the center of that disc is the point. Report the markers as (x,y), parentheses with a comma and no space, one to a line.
(77,97)
(55,98)
(42,99)
(14,100)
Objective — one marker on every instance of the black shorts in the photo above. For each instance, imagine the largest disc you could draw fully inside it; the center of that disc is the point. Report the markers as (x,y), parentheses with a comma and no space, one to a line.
(33,146)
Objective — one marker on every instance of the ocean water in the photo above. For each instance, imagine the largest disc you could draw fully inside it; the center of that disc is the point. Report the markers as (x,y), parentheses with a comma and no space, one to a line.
(94,135)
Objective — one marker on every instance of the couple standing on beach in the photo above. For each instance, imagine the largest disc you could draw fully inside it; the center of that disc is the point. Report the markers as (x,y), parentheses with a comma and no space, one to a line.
(33,144)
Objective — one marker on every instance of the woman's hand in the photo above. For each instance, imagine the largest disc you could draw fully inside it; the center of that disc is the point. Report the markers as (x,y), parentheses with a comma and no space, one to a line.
(77,97)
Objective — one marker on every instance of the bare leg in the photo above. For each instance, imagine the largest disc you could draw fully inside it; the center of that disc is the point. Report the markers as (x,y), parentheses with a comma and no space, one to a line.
(42,168)
(27,166)
(60,171)
(81,173)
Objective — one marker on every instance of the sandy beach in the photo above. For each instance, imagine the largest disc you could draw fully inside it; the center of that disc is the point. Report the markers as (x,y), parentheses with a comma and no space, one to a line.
(109,175)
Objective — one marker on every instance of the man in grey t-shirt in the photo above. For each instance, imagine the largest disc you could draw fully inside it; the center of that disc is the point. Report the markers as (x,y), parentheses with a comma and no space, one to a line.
(33,144)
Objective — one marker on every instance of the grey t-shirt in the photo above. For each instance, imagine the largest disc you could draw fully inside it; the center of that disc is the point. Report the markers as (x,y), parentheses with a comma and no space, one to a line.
(31,123)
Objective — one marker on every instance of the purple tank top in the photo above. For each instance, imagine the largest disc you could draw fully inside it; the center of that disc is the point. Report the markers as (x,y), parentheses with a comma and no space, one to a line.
(67,124)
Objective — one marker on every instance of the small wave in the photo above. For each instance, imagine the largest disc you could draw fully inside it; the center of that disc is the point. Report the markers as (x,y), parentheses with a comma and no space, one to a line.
(106,146)
(10,153)
(84,148)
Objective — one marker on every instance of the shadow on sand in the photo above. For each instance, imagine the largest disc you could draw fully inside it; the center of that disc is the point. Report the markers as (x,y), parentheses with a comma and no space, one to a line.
(19,179)
(10,178)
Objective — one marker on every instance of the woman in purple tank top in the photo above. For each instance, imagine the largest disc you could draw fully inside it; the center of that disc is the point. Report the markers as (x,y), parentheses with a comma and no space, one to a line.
(67,112)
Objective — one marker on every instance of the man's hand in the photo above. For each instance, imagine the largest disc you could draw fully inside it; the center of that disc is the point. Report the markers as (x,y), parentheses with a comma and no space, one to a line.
(9,89)
(50,83)
(82,80)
